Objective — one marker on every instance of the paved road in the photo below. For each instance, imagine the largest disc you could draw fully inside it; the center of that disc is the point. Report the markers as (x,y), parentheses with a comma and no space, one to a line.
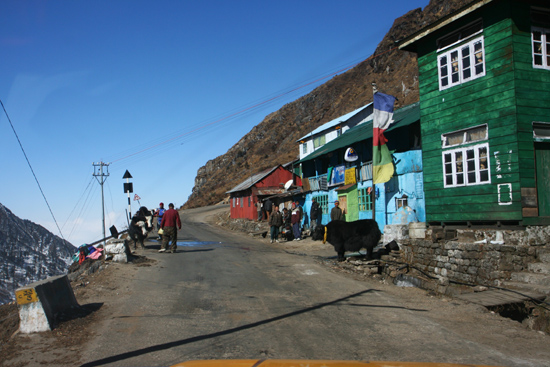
(225,295)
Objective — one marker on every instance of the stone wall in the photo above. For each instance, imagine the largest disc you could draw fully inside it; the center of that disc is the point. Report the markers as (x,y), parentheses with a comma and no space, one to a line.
(485,257)
(468,262)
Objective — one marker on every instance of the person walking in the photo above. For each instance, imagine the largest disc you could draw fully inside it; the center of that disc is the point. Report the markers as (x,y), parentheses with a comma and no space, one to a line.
(315,214)
(170,220)
(275,221)
(336,213)
(159,213)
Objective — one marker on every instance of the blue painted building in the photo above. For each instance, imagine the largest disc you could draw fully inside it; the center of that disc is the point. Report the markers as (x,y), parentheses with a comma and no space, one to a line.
(328,177)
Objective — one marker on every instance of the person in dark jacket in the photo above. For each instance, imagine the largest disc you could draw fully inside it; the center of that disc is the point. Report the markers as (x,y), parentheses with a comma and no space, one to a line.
(336,213)
(268,206)
(315,214)
(275,221)
(296,217)
(170,220)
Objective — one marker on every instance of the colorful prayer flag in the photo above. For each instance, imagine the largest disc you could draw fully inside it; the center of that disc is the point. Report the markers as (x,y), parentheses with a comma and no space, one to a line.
(382,164)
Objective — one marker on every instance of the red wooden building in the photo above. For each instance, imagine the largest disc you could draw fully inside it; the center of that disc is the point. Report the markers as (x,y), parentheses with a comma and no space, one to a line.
(267,184)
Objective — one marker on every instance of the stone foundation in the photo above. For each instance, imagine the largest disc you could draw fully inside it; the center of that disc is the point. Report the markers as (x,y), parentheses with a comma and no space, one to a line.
(485,257)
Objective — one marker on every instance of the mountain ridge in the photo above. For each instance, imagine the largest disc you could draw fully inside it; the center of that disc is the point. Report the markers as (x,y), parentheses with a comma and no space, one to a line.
(28,253)
(273,140)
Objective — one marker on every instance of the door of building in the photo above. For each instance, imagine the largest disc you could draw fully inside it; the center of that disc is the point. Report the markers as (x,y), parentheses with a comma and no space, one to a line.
(343,199)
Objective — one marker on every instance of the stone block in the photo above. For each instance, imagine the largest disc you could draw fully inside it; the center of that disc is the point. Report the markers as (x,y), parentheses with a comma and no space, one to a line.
(40,302)
(397,232)
(417,230)
(121,258)
(540,268)
(466,236)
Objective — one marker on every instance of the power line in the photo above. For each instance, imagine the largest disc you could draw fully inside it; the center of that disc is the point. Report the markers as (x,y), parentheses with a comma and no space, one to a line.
(239,112)
(162,144)
(32,171)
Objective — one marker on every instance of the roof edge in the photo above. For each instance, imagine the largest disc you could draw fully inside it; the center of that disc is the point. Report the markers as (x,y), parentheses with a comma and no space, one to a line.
(408,41)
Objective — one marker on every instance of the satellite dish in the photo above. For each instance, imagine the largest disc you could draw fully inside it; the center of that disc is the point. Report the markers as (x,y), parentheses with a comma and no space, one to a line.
(350,155)
(288,184)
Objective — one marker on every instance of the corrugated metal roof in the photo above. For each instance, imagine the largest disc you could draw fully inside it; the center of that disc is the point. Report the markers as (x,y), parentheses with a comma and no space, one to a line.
(250,181)
(270,191)
(334,122)
(401,117)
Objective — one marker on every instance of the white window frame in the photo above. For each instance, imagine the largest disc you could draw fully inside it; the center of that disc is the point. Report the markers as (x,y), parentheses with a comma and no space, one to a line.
(319,141)
(461,165)
(304,148)
(401,202)
(544,53)
(467,136)
(461,64)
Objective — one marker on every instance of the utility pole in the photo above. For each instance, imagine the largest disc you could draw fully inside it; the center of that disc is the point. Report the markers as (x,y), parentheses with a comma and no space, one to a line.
(101,175)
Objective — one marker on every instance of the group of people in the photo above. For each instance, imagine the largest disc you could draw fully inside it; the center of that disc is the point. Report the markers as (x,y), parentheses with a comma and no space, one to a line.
(277,219)
(167,222)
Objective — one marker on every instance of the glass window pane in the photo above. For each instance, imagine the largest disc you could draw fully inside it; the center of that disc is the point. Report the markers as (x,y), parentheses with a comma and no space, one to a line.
(460,179)
(484,176)
(449,180)
(537,47)
(470,154)
(478,46)
(476,134)
(479,69)
(471,177)
(479,57)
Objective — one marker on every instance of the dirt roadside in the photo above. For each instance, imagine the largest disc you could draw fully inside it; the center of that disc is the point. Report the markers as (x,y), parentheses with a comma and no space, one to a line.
(97,292)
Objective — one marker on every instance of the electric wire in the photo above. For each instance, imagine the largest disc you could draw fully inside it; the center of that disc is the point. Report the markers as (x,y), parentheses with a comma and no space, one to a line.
(76,204)
(233,114)
(168,142)
(84,208)
(32,171)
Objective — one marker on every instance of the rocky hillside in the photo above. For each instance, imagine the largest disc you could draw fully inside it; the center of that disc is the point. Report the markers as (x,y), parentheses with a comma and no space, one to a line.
(273,141)
(28,253)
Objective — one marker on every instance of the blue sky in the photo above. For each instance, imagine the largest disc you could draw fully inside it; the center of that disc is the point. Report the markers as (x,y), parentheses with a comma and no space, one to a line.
(157,88)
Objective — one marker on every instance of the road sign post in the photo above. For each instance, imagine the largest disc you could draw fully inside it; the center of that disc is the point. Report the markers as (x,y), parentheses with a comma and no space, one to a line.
(128,188)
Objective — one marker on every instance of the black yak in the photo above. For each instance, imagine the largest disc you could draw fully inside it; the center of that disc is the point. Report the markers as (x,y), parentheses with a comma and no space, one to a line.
(140,226)
(349,236)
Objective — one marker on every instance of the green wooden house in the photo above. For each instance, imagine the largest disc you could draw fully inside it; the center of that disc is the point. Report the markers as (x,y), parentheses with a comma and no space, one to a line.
(484,83)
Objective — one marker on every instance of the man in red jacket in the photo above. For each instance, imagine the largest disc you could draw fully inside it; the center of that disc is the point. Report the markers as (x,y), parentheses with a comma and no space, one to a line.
(170,220)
